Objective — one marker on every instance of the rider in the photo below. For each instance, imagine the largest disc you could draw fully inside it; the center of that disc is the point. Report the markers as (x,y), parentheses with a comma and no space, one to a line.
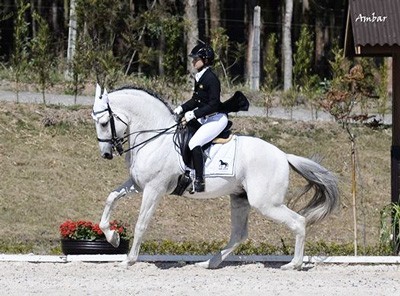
(203,106)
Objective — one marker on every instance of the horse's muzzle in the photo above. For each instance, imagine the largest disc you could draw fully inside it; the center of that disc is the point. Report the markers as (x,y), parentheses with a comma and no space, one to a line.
(107,155)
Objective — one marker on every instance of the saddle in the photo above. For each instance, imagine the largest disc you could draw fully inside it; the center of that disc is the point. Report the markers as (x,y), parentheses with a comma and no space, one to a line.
(185,133)
(182,138)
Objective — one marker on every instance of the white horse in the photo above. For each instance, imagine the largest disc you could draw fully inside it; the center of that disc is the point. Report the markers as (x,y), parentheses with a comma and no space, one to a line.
(261,173)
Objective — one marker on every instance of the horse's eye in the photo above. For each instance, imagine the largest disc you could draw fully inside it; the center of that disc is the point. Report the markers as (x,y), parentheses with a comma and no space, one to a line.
(104,124)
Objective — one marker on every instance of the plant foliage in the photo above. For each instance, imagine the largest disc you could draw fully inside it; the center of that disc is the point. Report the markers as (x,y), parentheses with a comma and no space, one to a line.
(389,235)
(86,230)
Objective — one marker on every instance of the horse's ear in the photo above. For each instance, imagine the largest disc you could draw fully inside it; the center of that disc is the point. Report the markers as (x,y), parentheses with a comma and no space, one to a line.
(105,96)
(98,91)
(100,102)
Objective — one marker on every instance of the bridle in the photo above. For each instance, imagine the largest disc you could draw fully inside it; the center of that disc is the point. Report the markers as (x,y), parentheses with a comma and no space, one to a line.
(115,141)
(118,142)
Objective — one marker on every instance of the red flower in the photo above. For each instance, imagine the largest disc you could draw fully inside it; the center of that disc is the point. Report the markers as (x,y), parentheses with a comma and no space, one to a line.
(67,229)
(82,229)
(97,229)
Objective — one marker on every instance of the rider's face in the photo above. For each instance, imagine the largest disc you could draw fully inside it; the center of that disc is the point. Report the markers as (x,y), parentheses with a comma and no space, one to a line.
(197,63)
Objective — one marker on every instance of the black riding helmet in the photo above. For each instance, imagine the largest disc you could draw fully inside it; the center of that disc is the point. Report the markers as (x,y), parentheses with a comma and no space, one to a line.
(204,52)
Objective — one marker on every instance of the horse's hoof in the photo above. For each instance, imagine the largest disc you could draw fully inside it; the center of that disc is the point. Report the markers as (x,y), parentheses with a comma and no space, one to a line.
(291,266)
(126,263)
(205,264)
(115,239)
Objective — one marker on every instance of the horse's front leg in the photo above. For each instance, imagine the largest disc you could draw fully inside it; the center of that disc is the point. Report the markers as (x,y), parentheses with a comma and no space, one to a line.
(111,235)
(150,200)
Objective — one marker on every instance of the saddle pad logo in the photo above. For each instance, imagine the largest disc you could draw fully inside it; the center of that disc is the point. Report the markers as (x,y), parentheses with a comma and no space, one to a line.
(223,165)
(221,159)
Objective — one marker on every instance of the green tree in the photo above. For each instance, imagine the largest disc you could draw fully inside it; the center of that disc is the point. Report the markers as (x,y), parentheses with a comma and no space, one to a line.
(99,23)
(302,68)
(306,82)
(19,58)
(270,70)
(42,60)
(168,29)
(271,63)
(227,53)
(80,65)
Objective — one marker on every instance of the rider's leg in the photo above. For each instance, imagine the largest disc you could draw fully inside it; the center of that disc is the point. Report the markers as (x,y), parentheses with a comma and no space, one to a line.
(212,127)
(198,163)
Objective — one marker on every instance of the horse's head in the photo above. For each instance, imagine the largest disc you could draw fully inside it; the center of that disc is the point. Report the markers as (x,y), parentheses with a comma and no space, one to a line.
(110,126)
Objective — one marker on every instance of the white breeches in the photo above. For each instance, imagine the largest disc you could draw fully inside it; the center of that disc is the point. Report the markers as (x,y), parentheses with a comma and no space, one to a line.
(211,127)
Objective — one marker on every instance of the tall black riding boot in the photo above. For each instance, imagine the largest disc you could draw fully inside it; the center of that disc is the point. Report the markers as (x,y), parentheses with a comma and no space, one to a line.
(198,163)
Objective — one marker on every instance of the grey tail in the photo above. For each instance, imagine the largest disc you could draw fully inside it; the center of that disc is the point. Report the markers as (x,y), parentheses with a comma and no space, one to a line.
(326,196)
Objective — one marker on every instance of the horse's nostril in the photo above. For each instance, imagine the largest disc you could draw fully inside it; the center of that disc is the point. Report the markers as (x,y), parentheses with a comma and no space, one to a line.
(107,155)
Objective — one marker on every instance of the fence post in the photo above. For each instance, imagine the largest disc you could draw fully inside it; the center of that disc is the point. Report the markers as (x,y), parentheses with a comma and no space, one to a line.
(71,34)
(255,65)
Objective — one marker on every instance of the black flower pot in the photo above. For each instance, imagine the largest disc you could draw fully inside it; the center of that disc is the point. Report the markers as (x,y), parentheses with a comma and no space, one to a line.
(88,247)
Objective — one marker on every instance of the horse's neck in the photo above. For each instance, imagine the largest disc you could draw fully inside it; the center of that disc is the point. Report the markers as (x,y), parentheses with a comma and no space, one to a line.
(144,112)
(151,131)
(146,117)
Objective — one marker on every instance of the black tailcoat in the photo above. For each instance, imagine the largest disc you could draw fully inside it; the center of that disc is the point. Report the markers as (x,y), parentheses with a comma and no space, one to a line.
(206,95)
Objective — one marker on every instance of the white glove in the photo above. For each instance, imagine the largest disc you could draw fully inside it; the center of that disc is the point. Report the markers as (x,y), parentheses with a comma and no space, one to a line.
(189,116)
(178,110)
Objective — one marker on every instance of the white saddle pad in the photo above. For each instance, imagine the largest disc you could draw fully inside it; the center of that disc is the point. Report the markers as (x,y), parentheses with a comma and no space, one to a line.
(220,159)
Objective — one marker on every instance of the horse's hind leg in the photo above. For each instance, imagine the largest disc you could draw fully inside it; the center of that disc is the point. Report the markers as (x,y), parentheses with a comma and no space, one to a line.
(240,209)
(296,223)
(112,236)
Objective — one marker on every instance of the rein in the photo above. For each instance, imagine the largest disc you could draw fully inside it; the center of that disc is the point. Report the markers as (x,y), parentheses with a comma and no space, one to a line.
(162,131)
(117,142)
